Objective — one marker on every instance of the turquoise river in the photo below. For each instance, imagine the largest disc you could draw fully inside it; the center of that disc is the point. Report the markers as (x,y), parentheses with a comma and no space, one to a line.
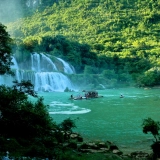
(109,118)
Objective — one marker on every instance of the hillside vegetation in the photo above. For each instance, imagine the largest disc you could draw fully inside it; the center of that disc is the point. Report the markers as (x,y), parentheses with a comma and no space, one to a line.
(116,40)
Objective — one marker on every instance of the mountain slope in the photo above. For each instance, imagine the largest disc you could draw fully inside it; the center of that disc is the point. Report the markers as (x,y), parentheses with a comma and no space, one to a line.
(125,31)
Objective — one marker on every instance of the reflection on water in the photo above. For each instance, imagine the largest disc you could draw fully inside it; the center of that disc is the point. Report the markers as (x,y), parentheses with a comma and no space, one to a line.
(109,118)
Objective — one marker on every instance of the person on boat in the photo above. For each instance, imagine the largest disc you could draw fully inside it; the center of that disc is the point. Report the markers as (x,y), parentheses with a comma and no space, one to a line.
(121,96)
(71,96)
(86,95)
(96,95)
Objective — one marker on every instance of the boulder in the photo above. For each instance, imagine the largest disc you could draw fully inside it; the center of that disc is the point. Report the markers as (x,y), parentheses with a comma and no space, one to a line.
(77,137)
(118,152)
(72,145)
(113,147)
(139,154)
(110,156)
(102,145)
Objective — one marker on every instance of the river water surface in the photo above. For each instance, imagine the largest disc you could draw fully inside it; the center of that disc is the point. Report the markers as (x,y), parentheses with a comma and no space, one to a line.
(109,118)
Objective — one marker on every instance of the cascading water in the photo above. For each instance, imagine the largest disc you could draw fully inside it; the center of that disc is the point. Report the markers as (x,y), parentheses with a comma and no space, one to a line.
(51,81)
(42,63)
(67,68)
(43,73)
(16,68)
(8,79)
(32,3)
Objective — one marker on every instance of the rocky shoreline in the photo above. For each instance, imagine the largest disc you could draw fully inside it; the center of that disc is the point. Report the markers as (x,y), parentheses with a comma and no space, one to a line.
(109,149)
(78,145)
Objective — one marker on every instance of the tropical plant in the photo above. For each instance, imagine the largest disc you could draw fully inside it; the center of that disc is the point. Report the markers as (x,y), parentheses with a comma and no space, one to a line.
(149,125)
(67,125)
(5,51)
(25,123)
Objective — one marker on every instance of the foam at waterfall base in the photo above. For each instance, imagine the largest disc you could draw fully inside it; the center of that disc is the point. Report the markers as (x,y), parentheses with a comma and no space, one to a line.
(42,72)
(66,108)
(46,88)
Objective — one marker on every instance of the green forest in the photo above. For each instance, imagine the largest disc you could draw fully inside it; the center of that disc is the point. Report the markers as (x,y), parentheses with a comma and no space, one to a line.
(113,42)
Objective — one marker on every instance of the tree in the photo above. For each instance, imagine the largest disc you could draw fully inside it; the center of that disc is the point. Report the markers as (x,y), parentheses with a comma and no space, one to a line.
(5,51)
(65,130)
(109,74)
(88,70)
(25,123)
(25,87)
(67,125)
(26,127)
(149,125)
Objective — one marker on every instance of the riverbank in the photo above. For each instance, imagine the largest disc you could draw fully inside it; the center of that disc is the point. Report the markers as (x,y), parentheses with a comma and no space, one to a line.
(78,149)
(140,145)
(107,150)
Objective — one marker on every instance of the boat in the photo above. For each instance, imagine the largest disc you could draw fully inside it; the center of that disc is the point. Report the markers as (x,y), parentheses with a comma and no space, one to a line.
(121,96)
(87,95)
(79,98)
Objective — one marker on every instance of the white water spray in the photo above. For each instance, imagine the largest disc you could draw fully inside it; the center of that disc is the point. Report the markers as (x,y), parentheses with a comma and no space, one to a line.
(43,73)
(67,68)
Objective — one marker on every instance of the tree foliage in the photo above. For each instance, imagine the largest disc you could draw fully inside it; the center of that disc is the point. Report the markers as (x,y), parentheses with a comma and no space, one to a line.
(25,87)
(122,35)
(23,121)
(5,50)
(67,125)
(27,125)
(149,125)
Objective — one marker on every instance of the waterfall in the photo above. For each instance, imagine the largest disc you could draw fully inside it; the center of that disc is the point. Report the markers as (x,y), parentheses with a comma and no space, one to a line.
(15,64)
(32,3)
(48,62)
(45,74)
(15,68)
(51,81)
(35,59)
(67,68)
(42,63)
(7,79)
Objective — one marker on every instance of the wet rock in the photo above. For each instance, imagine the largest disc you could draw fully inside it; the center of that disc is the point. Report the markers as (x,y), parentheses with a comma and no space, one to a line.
(118,152)
(93,151)
(113,147)
(139,154)
(102,145)
(77,137)
(113,156)
(72,145)
(92,147)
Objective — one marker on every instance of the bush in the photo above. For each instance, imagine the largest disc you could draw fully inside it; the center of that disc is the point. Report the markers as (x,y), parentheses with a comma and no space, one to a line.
(149,125)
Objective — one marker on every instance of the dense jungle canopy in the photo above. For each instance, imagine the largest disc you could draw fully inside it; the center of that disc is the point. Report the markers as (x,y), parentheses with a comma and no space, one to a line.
(116,40)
